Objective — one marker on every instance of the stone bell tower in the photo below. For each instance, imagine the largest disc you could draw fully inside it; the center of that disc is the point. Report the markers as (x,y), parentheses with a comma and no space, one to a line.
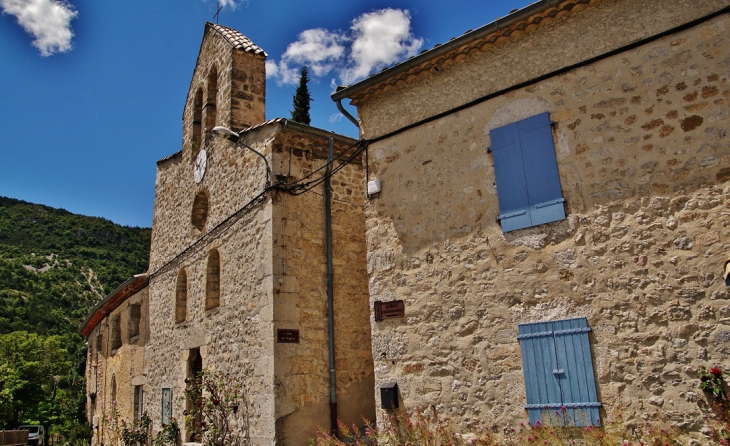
(228,87)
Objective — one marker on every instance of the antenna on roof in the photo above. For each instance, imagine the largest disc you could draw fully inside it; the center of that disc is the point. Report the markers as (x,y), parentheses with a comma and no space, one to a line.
(218,12)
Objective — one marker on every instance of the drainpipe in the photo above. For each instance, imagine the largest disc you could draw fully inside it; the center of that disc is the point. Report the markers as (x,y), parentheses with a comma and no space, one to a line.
(330,289)
(346,113)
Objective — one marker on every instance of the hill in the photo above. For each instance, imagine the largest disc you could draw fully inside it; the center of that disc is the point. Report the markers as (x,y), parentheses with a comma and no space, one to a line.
(55,265)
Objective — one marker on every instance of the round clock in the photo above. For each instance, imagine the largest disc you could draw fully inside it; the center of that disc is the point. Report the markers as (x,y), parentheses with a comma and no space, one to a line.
(200,162)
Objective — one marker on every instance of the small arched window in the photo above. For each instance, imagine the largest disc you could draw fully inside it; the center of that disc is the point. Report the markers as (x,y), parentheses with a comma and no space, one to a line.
(210,101)
(116,336)
(181,297)
(200,210)
(114,389)
(197,118)
(213,280)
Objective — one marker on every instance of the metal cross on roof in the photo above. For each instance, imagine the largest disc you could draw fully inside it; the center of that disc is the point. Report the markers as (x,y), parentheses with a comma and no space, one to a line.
(218,12)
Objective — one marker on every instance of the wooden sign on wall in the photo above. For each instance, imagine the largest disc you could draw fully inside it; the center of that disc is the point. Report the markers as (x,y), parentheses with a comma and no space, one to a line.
(387,310)
(287,336)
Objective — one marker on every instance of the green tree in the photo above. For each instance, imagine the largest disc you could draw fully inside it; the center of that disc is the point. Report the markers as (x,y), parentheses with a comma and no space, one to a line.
(32,369)
(302,99)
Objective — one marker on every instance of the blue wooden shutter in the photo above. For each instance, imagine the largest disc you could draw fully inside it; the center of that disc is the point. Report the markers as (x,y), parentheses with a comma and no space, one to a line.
(509,172)
(577,383)
(541,170)
(556,360)
(538,363)
(526,172)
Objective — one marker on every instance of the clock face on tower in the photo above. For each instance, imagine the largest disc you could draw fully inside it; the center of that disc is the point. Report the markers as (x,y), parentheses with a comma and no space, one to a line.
(200,162)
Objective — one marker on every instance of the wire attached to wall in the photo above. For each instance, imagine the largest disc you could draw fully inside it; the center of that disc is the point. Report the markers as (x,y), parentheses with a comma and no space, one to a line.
(294,188)
(211,235)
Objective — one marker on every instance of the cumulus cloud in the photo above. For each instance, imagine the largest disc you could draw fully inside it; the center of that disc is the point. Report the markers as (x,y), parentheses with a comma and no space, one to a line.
(320,50)
(233,4)
(374,40)
(49,21)
(380,39)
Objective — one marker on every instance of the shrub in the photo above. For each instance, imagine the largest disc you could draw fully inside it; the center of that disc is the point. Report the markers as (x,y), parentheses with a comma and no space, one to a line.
(218,412)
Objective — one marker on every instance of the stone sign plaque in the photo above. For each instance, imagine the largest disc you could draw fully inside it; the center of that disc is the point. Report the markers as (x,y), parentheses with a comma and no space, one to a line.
(287,336)
(387,310)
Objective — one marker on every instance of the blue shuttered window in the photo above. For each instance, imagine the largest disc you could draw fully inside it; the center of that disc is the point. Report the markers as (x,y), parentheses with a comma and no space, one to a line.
(528,185)
(558,371)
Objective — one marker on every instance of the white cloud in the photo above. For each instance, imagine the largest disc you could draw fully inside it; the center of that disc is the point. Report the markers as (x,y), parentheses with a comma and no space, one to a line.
(320,50)
(49,21)
(230,3)
(380,39)
(375,40)
(337,117)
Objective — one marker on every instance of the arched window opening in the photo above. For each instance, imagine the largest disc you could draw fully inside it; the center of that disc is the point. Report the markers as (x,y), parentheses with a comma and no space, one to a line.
(197,118)
(200,210)
(213,280)
(116,337)
(135,317)
(114,389)
(211,101)
(181,297)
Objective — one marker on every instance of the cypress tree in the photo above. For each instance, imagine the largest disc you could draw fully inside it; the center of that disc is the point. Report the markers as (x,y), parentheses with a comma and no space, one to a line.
(302,99)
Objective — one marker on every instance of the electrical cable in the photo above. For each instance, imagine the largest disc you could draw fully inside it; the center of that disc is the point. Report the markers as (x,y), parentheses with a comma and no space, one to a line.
(295,188)
(211,235)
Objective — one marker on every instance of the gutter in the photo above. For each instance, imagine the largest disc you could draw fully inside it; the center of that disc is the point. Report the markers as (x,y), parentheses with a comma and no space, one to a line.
(508,20)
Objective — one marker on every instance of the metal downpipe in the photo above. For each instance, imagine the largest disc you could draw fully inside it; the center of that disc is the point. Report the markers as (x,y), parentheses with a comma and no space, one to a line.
(346,113)
(330,289)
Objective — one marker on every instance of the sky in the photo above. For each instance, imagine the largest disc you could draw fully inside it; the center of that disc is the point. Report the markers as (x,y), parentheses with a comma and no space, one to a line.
(92,91)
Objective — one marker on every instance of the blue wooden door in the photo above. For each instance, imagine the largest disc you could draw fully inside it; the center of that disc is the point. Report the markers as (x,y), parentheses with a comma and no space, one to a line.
(558,371)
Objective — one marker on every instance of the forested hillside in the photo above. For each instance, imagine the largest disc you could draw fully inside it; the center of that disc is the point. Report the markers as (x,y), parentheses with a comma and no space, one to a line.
(54,267)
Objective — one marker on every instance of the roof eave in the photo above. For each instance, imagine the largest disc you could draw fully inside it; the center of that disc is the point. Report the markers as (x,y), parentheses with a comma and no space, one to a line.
(108,304)
(344,92)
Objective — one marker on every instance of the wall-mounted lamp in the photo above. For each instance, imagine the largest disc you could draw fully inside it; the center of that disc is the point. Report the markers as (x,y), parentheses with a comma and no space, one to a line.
(226,133)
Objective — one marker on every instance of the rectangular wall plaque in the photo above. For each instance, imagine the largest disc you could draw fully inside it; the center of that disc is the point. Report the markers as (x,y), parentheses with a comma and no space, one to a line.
(387,310)
(287,336)
(166,405)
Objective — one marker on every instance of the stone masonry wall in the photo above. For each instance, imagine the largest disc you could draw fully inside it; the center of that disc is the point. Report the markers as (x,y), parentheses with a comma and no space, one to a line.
(539,49)
(644,162)
(300,294)
(125,365)
(241,97)
(235,337)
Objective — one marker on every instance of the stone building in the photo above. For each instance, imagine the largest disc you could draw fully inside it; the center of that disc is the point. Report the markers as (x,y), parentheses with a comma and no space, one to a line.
(553,212)
(117,329)
(238,274)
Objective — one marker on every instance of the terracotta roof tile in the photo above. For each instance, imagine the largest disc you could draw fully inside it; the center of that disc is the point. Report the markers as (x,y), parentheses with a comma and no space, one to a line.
(238,40)
(169,157)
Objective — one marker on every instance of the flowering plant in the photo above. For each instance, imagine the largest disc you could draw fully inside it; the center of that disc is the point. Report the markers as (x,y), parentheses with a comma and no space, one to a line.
(718,416)
(712,381)
(213,413)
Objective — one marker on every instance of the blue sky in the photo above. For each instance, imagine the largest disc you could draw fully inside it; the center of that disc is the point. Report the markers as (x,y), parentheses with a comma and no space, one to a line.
(93,90)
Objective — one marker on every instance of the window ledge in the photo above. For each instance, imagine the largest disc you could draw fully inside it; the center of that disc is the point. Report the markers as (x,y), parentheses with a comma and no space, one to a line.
(212,311)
